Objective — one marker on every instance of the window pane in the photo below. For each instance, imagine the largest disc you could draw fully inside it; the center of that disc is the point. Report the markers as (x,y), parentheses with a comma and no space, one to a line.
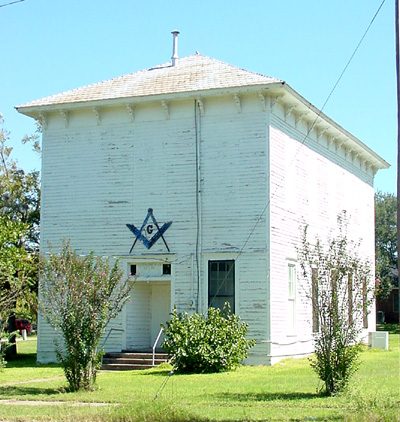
(219,302)
(221,283)
(396,301)
(291,315)
(291,281)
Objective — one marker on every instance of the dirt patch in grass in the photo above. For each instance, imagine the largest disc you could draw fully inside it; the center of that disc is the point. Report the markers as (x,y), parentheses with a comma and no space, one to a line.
(53,403)
(31,381)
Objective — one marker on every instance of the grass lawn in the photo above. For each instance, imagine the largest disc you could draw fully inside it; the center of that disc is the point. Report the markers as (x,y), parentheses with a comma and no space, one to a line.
(286,391)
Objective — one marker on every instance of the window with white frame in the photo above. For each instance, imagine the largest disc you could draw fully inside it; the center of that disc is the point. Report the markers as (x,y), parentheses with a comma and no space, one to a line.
(221,284)
(291,315)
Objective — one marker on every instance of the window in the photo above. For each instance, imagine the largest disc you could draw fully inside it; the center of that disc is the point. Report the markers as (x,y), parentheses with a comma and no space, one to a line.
(221,284)
(291,297)
(396,301)
(132,269)
(166,269)
(314,299)
(350,297)
(364,303)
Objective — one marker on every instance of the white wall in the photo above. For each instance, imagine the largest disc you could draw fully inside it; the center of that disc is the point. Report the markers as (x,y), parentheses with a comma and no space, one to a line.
(100,175)
(311,182)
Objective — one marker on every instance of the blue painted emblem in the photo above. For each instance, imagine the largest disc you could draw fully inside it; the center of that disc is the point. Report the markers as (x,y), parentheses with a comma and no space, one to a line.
(145,233)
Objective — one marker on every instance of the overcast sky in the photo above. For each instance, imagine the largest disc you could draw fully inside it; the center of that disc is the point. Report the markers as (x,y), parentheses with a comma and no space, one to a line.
(51,46)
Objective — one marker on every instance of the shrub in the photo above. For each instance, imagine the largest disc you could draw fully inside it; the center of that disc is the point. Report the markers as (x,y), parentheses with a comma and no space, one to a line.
(206,343)
(79,295)
(338,286)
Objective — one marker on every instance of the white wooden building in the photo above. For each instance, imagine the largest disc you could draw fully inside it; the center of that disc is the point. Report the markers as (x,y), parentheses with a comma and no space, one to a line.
(230,164)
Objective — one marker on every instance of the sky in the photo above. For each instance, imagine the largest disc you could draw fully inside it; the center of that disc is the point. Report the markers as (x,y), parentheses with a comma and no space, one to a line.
(49,46)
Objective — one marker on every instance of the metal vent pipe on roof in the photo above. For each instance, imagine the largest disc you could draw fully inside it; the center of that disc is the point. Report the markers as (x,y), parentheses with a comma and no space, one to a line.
(175,56)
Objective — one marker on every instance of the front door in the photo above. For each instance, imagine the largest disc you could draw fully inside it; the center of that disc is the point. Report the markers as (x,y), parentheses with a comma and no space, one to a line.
(148,308)
(161,308)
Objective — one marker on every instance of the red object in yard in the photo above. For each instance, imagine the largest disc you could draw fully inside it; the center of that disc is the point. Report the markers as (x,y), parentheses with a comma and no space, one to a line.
(23,324)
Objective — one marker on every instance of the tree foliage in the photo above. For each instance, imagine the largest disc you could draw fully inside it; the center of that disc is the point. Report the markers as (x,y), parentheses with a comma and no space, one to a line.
(385,242)
(15,268)
(79,296)
(338,285)
(212,343)
(20,215)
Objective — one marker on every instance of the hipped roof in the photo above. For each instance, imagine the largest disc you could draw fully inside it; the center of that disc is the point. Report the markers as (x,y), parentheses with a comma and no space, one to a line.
(195,75)
(192,73)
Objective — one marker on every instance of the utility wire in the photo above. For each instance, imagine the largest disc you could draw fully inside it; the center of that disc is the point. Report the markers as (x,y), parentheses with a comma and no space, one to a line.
(12,2)
(165,381)
(315,121)
(303,141)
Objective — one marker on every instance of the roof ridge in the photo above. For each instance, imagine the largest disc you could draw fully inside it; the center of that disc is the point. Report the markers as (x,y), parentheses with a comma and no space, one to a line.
(191,73)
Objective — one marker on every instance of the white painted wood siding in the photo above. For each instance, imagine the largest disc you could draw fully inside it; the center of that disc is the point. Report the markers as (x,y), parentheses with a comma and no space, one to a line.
(100,175)
(311,182)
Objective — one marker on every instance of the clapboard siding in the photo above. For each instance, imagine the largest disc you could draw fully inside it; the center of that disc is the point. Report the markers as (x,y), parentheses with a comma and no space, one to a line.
(260,179)
(309,184)
(99,176)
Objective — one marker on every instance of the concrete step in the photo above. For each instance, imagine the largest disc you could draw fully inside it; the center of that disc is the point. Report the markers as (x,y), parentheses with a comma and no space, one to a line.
(138,355)
(133,361)
(122,367)
(128,361)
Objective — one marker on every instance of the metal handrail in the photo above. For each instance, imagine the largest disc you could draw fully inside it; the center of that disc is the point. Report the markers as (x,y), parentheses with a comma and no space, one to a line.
(155,343)
(108,335)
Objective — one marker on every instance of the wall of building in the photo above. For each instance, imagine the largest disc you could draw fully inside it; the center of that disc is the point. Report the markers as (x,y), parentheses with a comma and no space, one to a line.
(311,182)
(102,171)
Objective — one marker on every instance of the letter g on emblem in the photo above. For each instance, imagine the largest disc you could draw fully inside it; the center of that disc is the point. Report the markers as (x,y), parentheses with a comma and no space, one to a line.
(147,230)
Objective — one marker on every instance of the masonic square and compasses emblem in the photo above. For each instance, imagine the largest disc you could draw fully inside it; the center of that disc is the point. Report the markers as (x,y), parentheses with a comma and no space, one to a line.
(150,231)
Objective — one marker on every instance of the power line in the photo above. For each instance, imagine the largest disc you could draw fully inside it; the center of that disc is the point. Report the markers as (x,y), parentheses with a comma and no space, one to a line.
(305,137)
(315,121)
(12,2)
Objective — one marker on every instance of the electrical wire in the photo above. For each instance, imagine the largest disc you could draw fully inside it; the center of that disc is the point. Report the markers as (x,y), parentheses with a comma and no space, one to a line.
(314,122)
(12,2)
(198,234)
(310,128)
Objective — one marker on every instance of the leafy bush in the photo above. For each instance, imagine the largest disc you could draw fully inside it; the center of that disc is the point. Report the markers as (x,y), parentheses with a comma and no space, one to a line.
(79,296)
(339,287)
(206,343)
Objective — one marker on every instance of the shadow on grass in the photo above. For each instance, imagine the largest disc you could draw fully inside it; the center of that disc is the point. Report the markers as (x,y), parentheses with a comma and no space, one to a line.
(157,372)
(268,396)
(391,328)
(16,390)
(28,360)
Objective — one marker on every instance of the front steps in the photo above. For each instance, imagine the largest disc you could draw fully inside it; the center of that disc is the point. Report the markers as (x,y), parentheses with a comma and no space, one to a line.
(128,361)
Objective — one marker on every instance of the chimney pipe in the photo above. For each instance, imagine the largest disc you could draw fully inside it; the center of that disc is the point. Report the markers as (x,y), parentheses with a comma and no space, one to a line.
(174,57)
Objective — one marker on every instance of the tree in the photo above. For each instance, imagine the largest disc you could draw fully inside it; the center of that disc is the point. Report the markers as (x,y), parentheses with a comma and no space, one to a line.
(20,203)
(79,296)
(14,271)
(385,242)
(338,287)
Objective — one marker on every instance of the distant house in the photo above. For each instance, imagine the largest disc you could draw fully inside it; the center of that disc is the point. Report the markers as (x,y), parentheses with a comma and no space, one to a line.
(198,175)
(388,310)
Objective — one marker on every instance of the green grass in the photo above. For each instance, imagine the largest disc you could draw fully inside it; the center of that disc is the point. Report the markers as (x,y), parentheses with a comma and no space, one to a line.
(285,391)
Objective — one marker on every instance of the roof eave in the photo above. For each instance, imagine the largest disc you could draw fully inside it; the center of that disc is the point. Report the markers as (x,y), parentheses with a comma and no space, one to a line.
(272,87)
(379,161)
(35,110)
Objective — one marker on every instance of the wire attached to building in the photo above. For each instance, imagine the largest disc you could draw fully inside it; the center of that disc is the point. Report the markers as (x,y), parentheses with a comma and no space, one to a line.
(310,128)
(197,125)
